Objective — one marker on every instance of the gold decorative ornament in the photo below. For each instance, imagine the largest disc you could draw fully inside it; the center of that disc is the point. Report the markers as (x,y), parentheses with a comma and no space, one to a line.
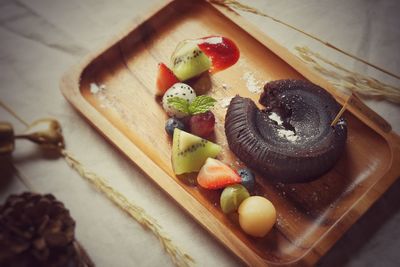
(46,133)
(6,138)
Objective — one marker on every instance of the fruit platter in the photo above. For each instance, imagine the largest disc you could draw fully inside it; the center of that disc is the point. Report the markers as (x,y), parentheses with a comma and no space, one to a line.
(236,130)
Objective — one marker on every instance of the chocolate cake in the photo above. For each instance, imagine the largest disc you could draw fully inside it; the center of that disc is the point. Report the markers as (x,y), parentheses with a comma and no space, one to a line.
(291,140)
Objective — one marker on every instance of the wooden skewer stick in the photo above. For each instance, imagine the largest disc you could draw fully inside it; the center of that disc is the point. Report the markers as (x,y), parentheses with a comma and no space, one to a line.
(342,110)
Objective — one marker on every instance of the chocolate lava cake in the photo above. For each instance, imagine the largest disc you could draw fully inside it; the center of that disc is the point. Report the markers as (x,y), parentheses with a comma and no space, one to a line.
(291,140)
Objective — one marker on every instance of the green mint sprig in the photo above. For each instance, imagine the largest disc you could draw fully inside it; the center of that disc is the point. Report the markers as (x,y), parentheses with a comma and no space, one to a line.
(199,105)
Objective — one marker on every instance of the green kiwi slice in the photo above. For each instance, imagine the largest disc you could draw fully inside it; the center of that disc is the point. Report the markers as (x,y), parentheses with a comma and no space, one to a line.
(189,61)
(189,152)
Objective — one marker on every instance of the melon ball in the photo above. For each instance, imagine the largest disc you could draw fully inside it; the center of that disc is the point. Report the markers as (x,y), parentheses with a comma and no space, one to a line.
(257,216)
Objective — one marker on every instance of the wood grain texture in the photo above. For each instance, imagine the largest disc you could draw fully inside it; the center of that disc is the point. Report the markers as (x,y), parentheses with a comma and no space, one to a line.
(311,216)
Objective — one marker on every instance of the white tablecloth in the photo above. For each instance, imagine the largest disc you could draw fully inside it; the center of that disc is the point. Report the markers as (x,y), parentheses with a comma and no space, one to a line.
(41,39)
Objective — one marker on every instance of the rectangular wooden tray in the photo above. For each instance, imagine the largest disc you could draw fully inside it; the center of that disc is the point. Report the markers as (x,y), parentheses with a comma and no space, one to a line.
(311,216)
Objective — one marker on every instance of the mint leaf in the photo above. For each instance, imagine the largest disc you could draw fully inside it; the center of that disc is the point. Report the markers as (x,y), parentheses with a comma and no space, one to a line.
(201,104)
(179,104)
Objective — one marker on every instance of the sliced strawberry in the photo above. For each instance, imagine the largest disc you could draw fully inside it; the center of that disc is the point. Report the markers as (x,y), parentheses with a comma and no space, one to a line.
(215,174)
(222,51)
(165,79)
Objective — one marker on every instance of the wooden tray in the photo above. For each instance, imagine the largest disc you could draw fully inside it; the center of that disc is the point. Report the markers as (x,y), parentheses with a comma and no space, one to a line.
(312,216)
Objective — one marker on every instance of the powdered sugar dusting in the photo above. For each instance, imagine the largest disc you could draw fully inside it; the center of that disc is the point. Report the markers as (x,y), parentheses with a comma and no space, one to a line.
(252,84)
(95,89)
(275,117)
(288,134)
(225,86)
(99,92)
(214,40)
(224,102)
(284,133)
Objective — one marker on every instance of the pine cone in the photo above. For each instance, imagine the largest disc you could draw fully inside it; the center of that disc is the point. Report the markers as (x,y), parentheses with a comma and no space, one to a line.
(37,230)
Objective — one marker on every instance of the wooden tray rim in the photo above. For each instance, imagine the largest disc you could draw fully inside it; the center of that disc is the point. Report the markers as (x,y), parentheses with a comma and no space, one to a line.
(70,87)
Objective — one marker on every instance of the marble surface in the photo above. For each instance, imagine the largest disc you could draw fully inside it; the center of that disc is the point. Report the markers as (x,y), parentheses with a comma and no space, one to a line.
(41,39)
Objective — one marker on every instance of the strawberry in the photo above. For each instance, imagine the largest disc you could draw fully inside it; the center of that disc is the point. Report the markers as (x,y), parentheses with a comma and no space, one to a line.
(165,79)
(215,175)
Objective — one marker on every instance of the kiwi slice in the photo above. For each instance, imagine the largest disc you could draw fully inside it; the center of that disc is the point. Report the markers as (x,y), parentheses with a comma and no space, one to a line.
(188,60)
(189,152)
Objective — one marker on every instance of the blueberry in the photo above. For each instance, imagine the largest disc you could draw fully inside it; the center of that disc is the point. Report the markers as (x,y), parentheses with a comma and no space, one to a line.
(173,123)
(248,179)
